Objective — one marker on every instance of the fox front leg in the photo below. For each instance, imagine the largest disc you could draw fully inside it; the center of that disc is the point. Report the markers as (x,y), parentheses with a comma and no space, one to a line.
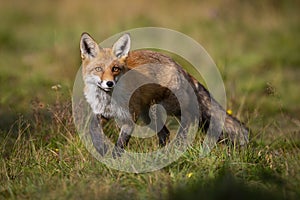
(123,139)
(97,135)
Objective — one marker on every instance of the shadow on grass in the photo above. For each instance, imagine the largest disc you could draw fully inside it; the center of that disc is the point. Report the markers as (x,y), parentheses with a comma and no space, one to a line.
(7,120)
(226,186)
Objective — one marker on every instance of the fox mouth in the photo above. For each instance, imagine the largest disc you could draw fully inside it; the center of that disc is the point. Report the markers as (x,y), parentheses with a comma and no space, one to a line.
(104,89)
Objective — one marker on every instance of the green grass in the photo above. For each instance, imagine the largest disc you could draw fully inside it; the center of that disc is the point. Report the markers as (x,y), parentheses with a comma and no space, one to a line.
(254,44)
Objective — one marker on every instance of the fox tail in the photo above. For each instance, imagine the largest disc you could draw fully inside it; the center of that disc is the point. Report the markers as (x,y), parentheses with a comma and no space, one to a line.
(214,119)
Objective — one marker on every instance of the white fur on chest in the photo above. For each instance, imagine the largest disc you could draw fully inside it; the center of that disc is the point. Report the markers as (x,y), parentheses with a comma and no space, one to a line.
(102,103)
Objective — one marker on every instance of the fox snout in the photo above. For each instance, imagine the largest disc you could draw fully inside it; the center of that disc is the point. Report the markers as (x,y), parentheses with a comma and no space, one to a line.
(106,85)
(110,83)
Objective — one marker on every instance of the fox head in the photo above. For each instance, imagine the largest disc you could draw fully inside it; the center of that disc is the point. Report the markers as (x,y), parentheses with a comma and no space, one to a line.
(102,67)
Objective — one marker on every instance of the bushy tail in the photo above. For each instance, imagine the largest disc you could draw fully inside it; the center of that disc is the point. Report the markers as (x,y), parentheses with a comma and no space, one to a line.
(211,113)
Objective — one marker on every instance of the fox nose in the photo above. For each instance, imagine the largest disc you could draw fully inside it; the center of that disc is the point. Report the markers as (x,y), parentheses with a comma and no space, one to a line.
(110,83)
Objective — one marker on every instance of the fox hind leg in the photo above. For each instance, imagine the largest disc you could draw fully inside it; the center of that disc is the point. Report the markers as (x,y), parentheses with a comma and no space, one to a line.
(124,137)
(154,119)
(163,136)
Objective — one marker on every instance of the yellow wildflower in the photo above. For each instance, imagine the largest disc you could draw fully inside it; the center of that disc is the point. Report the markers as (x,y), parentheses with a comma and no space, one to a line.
(229,112)
(189,175)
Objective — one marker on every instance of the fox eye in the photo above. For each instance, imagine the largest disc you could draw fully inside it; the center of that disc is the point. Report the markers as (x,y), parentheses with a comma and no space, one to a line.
(98,69)
(115,69)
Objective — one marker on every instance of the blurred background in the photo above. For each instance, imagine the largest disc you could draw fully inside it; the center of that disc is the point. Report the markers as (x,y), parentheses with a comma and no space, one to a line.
(254,43)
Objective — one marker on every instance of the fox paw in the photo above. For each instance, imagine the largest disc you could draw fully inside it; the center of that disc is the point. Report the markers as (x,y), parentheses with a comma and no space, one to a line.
(117,152)
(102,149)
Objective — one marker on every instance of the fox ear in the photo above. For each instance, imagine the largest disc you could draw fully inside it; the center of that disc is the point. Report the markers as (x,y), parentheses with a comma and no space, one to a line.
(88,47)
(122,46)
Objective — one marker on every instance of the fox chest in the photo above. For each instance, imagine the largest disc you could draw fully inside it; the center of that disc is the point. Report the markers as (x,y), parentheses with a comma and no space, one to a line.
(102,103)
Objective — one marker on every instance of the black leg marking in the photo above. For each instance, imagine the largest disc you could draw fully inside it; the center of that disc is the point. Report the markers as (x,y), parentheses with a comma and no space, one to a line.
(97,135)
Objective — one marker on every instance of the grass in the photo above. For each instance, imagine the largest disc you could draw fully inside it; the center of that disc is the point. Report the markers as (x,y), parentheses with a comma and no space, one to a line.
(254,44)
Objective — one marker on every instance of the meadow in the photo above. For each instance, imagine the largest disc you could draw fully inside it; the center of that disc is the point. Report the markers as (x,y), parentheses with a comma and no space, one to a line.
(255,45)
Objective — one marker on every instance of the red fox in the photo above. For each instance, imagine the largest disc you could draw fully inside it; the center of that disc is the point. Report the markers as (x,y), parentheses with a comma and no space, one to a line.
(102,68)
